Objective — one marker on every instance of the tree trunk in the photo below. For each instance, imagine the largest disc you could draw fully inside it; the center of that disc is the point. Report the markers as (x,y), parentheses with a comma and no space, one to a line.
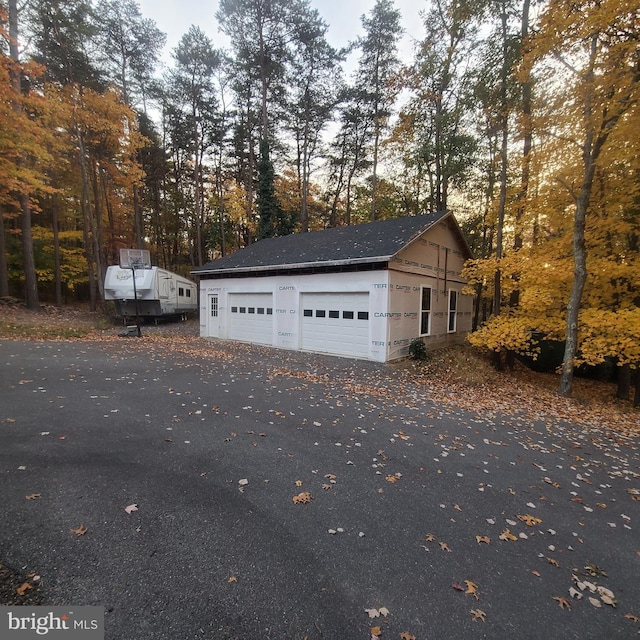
(590,152)
(4,271)
(374,176)
(526,151)
(573,308)
(85,207)
(623,390)
(96,233)
(56,250)
(112,255)
(30,278)
(137,217)
(29,264)
(497,295)
(636,394)
(196,193)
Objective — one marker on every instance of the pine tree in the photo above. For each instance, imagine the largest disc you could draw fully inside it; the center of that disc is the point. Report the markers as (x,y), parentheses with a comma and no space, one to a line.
(272,220)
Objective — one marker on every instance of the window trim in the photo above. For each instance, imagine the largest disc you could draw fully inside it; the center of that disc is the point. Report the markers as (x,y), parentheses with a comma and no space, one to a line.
(428,311)
(452,312)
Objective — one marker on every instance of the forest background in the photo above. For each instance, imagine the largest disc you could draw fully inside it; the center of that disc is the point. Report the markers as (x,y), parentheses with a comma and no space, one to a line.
(521,116)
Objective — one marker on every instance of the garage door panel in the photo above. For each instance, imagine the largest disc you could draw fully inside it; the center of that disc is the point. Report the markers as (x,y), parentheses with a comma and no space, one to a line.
(336,323)
(251,317)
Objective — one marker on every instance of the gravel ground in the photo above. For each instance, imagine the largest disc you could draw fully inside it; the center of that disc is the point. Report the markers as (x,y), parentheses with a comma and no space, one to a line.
(291,495)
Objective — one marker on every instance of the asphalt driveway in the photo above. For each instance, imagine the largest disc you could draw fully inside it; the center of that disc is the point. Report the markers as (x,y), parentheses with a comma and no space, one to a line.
(276,495)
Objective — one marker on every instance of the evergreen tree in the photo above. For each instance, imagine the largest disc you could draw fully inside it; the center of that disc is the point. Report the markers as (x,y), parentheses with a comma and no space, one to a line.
(272,219)
(377,66)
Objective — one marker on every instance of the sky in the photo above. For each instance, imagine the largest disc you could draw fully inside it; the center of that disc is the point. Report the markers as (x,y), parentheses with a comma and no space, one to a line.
(174,17)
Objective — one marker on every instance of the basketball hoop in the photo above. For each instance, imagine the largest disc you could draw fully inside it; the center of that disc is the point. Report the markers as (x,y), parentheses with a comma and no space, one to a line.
(135,259)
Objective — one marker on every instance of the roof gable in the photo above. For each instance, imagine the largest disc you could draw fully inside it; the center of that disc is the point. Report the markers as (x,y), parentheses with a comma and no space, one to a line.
(356,244)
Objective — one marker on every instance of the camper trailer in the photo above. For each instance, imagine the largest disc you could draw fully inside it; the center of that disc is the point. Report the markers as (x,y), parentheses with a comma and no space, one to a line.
(160,293)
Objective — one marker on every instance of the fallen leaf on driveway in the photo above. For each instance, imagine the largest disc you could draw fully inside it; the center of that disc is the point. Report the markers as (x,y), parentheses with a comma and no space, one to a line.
(630,616)
(302,498)
(376,613)
(131,508)
(529,520)
(507,535)
(405,635)
(563,602)
(23,588)
(32,496)
(376,632)
(607,596)
(594,569)
(484,539)
(80,531)
(478,615)
(472,589)
(445,547)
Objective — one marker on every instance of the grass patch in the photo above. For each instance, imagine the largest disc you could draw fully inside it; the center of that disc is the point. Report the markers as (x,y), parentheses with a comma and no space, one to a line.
(20,331)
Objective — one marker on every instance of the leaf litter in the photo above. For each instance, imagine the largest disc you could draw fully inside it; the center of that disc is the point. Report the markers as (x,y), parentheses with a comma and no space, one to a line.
(518,409)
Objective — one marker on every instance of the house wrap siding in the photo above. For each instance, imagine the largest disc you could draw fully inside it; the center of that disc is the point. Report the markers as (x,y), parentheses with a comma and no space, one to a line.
(287,313)
(390,288)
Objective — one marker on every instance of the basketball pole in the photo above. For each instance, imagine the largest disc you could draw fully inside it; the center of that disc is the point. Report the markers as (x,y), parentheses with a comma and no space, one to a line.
(135,296)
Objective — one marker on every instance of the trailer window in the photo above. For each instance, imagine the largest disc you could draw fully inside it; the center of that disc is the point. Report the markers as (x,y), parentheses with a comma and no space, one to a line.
(188,293)
(181,291)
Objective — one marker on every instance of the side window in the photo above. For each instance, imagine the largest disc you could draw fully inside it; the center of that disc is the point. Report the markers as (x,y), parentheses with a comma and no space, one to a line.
(180,291)
(453,310)
(425,311)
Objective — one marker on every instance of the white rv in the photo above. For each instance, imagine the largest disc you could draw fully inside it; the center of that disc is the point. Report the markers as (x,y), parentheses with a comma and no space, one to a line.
(160,293)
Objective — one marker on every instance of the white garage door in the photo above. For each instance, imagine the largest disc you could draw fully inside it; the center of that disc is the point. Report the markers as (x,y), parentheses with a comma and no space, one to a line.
(251,317)
(336,323)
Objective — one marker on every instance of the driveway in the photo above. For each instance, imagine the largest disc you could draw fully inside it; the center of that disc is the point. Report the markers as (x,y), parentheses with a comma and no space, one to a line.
(219,491)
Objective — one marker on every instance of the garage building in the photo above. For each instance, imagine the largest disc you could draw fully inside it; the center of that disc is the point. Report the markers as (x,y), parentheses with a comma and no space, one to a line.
(362,291)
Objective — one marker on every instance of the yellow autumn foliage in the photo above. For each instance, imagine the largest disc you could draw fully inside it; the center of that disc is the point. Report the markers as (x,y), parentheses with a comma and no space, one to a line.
(610,334)
(506,332)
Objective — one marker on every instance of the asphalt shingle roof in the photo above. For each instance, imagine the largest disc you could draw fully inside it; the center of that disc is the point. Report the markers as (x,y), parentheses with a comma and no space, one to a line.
(370,242)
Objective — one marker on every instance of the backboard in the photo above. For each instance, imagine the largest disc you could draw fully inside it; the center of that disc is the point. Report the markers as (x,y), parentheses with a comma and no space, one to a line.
(135,259)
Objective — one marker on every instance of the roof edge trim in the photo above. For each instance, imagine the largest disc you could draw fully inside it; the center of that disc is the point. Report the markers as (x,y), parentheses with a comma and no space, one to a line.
(295,265)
